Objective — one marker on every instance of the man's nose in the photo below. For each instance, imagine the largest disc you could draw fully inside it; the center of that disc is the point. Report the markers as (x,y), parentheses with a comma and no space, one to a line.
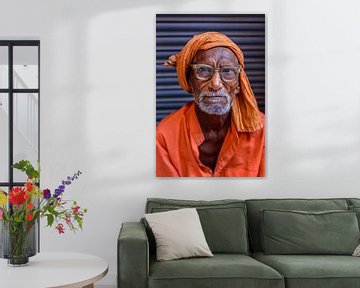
(215,81)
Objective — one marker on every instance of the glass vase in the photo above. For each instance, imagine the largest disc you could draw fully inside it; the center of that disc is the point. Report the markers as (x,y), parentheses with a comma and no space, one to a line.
(18,242)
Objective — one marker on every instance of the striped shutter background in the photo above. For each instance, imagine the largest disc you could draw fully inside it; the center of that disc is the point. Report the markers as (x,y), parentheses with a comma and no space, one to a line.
(174,30)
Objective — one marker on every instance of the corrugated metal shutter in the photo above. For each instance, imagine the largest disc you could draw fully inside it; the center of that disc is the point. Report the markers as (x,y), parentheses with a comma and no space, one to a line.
(174,30)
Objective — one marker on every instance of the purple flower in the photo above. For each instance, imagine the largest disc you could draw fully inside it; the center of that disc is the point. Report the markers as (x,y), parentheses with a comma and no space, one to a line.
(68,181)
(58,192)
(46,194)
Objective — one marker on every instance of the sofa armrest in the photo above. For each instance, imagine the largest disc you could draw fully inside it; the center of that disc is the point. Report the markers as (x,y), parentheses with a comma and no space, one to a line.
(133,256)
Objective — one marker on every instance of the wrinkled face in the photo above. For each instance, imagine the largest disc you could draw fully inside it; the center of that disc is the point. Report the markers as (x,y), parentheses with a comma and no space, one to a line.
(214,95)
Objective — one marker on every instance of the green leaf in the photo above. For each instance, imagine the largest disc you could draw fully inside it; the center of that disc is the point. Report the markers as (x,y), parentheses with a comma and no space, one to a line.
(50,219)
(79,221)
(22,164)
(28,168)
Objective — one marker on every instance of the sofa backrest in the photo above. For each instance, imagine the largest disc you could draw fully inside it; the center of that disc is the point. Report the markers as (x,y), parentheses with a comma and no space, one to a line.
(254,207)
(223,222)
(353,202)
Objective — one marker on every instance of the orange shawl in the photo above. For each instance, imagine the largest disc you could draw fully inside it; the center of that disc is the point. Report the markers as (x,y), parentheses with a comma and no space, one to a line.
(245,112)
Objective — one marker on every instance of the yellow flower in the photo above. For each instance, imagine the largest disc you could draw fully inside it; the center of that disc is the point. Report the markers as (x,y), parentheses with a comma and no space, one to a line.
(3,198)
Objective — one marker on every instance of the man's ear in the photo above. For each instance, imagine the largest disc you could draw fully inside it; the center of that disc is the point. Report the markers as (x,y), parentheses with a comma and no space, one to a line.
(237,89)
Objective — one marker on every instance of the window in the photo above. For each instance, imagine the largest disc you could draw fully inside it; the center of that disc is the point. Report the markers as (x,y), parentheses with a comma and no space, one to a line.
(19,108)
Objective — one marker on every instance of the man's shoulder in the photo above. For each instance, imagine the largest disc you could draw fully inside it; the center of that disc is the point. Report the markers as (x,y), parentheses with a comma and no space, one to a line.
(172,121)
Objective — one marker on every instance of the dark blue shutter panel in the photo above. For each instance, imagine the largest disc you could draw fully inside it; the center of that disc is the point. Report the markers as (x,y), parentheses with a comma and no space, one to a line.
(174,30)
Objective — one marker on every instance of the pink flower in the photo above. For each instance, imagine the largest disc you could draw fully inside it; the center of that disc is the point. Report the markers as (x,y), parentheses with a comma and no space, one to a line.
(60,228)
(68,219)
(76,209)
(1,212)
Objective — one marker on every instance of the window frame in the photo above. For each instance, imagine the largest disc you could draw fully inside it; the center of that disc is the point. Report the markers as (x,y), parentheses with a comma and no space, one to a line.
(10,91)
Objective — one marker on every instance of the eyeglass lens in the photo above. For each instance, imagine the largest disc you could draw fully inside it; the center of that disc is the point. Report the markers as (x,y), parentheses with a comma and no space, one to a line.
(226,73)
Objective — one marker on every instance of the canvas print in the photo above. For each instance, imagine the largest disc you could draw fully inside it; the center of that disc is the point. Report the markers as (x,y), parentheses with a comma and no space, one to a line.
(210,95)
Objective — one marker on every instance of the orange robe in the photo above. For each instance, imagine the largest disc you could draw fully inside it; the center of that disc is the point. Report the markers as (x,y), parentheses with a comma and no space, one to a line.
(177,155)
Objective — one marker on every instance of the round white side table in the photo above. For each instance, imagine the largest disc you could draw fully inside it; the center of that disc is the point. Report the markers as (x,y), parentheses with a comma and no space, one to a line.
(50,270)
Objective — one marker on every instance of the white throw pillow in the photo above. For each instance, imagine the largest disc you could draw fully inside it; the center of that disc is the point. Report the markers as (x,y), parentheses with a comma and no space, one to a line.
(357,251)
(178,234)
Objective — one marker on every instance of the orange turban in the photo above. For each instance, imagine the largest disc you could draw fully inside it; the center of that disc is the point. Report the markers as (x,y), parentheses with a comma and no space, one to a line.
(245,112)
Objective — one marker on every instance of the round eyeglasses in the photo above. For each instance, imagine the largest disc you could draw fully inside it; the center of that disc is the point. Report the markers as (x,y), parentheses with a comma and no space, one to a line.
(206,72)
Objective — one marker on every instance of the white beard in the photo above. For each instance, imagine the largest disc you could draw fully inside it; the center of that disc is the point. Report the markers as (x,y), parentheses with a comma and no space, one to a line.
(214,108)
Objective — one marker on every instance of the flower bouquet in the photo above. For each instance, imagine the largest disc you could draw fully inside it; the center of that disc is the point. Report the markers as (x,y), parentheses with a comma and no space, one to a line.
(21,208)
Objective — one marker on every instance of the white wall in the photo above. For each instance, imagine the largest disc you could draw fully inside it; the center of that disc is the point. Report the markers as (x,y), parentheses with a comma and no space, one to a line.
(98,105)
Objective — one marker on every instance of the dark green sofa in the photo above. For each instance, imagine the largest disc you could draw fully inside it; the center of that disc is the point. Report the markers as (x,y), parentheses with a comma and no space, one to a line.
(234,232)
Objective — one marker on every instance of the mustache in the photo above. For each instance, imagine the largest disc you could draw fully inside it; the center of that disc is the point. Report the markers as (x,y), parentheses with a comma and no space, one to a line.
(219,93)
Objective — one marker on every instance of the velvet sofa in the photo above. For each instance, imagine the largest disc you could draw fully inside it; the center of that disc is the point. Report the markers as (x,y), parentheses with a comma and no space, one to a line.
(277,243)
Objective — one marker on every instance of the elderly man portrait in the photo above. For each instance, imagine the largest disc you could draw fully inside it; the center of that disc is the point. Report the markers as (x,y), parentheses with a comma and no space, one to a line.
(221,132)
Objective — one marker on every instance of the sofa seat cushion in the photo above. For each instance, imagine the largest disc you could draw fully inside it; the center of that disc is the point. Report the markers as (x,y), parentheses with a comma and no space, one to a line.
(222,270)
(313,271)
